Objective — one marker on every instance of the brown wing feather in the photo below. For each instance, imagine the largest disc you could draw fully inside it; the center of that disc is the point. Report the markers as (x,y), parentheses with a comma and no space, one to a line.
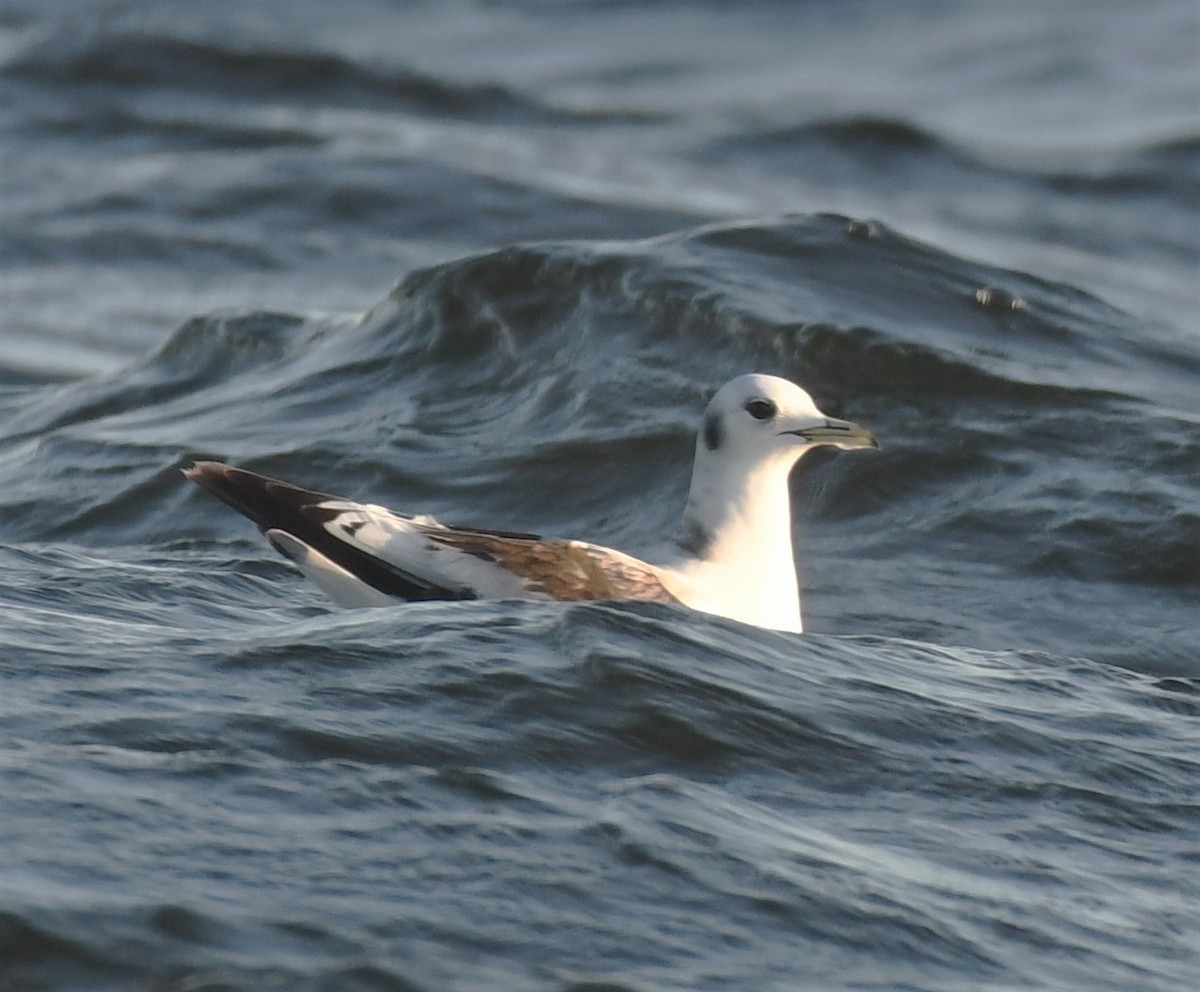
(565,570)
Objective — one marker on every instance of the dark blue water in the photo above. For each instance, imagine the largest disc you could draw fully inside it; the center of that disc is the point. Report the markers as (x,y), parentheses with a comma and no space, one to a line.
(488,261)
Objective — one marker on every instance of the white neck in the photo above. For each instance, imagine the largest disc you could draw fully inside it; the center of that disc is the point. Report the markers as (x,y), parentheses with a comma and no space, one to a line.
(738,523)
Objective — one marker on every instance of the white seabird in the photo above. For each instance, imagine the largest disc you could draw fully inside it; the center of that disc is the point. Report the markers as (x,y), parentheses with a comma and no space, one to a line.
(734,557)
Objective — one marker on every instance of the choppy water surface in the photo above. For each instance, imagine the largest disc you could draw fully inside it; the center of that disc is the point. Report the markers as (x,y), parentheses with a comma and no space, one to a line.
(488,261)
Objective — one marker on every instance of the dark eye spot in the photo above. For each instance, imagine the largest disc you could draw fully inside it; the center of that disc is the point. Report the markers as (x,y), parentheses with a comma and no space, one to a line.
(761,409)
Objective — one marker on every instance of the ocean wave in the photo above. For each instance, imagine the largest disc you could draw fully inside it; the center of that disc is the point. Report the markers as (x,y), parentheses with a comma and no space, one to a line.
(894,151)
(902,155)
(855,306)
(171,131)
(112,58)
(481,383)
(622,741)
(975,770)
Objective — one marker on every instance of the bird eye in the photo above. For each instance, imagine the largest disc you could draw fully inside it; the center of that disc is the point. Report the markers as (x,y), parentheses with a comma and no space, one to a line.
(761,409)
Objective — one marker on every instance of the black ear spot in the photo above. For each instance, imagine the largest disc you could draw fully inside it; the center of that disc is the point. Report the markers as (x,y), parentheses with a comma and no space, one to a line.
(714,434)
(761,409)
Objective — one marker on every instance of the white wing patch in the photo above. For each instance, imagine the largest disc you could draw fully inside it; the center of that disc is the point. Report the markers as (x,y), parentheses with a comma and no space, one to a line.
(343,587)
(492,565)
(411,544)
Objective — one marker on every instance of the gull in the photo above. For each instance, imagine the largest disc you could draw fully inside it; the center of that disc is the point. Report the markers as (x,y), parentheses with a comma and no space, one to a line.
(733,558)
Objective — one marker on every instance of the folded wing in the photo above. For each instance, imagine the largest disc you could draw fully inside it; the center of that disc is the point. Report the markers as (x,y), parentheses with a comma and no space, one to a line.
(366,555)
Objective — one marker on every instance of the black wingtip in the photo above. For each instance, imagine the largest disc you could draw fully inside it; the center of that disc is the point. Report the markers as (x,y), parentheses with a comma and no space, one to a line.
(279,506)
(203,471)
(268,502)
